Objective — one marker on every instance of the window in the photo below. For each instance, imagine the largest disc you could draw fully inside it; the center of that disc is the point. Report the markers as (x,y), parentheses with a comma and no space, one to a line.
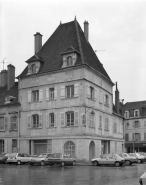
(35,121)
(106,127)
(69,148)
(136,136)
(52,120)
(126,137)
(136,124)
(131,113)
(136,113)
(126,114)
(14,145)
(35,96)
(92,115)
(2,124)
(13,123)
(143,111)
(70,118)
(100,122)
(51,91)
(91,92)
(69,61)
(33,68)
(115,128)
(70,91)
(2,144)
(106,100)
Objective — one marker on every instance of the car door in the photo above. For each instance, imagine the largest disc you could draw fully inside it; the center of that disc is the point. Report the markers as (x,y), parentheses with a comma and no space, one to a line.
(26,158)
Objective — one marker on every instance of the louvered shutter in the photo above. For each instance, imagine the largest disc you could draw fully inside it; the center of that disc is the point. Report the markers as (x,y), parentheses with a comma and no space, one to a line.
(28,121)
(139,135)
(40,120)
(62,116)
(104,99)
(134,124)
(88,91)
(47,120)
(76,90)
(55,120)
(40,95)
(5,123)
(29,96)
(133,136)
(62,93)
(95,94)
(55,93)
(100,97)
(76,118)
(83,117)
(47,94)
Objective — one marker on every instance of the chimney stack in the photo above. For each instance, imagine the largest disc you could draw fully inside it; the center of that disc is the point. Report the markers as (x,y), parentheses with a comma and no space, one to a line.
(3,78)
(117,99)
(86,30)
(37,42)
(11,76)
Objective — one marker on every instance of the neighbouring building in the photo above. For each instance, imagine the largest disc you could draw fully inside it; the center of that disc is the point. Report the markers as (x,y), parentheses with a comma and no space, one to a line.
(135,126)
(9,111)
(66,98)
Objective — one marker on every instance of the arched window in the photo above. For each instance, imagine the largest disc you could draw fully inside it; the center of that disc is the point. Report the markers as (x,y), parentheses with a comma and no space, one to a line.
(33,68)
(69,148)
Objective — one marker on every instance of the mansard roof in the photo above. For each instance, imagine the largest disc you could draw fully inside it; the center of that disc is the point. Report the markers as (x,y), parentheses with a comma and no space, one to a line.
(68,35)
(134,105)
(13,92)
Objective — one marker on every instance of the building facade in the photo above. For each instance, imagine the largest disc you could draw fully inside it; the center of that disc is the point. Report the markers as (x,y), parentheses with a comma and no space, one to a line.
(66,98)
(135,126)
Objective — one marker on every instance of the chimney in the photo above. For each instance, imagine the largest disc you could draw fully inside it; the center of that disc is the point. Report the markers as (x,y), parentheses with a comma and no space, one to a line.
(86,30)
(117,99)
(37,42)
(11,76)
(3,78)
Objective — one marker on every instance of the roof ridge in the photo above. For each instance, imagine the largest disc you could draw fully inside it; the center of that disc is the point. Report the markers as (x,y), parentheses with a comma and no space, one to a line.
(79,42)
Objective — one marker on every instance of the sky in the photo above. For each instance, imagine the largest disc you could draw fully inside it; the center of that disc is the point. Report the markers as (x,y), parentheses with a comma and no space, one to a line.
(117,32)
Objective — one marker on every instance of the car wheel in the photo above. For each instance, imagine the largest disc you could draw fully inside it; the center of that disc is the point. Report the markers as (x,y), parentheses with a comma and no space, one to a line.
(18,162)
(42,163)
(128,163)
(95,163)
(5,161)
(139,161)
(117,164)
(73,163)
(62,164)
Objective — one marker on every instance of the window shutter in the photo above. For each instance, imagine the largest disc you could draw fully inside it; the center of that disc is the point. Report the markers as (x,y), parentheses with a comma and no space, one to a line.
(90,120)
(29,96)
(76,90)
(88,91)
(108,101)
(104,99)
(40,95)
(100,97)
(62,92)
(5,123)
(47,120)
(76,118)
(40,120)
(55,119)
(28,121)
(62,114)
(138,123)
(134,124)
(133,136)
(47,94)
(95,94)
(55,93)
(145,136)
(139,136)
(83,119)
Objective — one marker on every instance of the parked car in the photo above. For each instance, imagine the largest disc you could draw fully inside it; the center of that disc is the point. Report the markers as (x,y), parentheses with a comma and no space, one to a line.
(62,159)
(109,159)
(41,159)
(18,158)
(128,159)
(3,158)
(139,157)
(142,179)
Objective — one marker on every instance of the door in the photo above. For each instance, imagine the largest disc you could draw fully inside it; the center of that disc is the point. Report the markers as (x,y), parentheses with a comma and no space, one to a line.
(91,150)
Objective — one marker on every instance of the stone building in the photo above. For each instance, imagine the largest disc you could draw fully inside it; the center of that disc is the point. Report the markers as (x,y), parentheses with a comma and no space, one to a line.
(66,98)
(135,126)
(9,111)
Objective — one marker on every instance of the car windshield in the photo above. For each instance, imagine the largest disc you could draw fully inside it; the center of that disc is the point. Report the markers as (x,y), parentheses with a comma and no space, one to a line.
(57,155)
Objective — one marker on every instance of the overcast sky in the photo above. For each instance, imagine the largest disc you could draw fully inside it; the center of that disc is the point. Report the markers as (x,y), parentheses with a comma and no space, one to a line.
(117,30)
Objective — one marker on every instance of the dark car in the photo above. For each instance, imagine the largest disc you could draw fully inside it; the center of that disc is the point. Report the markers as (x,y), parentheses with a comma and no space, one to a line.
(3,158)
(62,159)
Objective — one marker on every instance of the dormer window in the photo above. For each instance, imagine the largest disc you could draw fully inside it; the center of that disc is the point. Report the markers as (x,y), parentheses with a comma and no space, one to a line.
(33,68)
(136,113)
(69,61)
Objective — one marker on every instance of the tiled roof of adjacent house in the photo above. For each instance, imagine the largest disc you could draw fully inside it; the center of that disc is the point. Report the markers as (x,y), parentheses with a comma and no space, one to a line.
(134,105)
(68,35)
(12,92)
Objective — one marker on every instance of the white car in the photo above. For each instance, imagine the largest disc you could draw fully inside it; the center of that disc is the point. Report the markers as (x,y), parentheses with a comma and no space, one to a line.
(18,158)
(108,159)
(128,159)
(139,157)
(41,159)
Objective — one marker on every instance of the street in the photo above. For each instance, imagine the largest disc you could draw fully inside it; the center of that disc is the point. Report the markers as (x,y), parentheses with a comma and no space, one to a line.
(80,174)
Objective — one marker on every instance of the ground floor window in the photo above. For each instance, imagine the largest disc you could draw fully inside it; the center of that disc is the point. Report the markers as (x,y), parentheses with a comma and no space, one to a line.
(69,148)
(14,145)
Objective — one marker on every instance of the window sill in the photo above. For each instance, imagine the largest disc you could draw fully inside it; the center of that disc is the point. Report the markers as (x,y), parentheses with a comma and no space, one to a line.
(91,99)
(106,129)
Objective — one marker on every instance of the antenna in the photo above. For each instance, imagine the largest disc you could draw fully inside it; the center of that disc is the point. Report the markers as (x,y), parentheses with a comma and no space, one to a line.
(4,62)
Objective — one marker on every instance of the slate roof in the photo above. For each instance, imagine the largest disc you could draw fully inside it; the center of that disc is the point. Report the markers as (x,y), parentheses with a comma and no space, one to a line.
(12,92)
(65,36)
(134,105)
